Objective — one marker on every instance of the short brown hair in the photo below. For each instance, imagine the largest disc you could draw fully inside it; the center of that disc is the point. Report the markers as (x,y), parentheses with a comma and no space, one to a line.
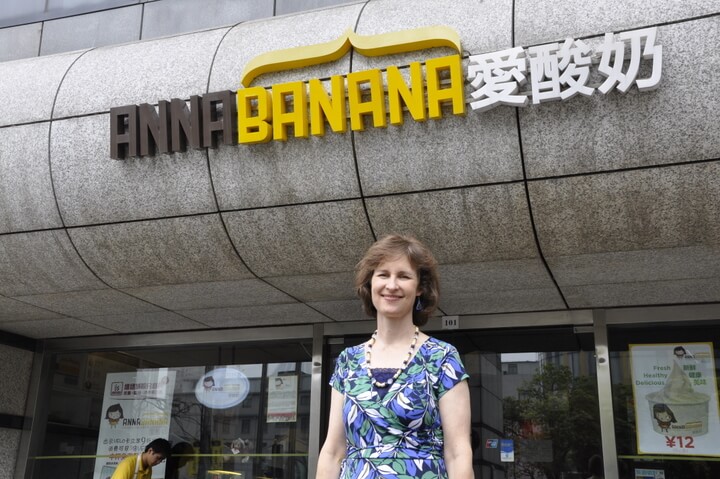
(388,248)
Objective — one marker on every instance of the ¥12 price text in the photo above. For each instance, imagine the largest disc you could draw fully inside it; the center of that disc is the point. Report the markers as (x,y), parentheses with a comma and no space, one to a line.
(684,442)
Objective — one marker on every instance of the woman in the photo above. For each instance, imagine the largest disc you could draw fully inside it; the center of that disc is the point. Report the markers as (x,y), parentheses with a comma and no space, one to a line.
(400,402)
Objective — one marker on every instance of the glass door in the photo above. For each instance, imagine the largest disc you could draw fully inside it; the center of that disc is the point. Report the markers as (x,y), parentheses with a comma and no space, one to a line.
(534,399)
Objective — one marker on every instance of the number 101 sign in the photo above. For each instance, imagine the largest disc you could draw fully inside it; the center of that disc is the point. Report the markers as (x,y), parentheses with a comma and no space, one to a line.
(451,322)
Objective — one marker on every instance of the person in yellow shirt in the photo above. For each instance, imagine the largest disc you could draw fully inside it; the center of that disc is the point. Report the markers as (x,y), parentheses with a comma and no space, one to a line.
(140,466)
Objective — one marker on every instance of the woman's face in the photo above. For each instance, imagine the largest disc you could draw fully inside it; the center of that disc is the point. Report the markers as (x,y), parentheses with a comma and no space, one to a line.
(394,287)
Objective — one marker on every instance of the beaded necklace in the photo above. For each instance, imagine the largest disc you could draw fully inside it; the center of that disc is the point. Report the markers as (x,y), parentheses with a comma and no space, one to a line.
(368,359)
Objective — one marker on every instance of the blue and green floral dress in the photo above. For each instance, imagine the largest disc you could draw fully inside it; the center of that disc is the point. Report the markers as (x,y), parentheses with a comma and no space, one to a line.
(396,434)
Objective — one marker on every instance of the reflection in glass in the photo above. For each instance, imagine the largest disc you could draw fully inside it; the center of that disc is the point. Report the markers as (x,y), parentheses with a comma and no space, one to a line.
(542,408)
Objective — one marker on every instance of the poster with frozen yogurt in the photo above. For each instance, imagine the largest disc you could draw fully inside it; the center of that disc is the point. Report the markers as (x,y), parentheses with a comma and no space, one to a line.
(676,403)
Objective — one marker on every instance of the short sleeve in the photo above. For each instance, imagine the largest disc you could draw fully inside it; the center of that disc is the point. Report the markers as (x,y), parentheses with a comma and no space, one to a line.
(126,468)
(452,371)
(337,380)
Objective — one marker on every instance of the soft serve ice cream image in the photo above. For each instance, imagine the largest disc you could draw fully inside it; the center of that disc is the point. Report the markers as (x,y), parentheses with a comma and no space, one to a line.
(677,409)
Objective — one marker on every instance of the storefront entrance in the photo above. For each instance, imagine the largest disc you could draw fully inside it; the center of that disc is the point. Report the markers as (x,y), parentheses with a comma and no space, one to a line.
(553,395)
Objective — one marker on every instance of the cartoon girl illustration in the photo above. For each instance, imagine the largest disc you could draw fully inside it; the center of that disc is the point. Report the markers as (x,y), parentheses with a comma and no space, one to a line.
(682,353)
(664,416)
(208,383)
(113,414)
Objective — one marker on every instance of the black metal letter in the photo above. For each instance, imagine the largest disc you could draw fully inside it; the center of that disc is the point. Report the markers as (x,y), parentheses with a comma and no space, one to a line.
(123,132)
(154,129)
(218,120)
(186,125)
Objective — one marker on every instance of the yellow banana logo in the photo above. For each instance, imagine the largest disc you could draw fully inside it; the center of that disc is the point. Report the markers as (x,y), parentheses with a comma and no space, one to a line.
(368,45)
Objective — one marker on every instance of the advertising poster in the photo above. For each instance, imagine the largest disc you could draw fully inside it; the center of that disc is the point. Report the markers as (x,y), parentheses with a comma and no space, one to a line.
(507,450)
(136,409)
(222,388)
(676,403)
(282,399)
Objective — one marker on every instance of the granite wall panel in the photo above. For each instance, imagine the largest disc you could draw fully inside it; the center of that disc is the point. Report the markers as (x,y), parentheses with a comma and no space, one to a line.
(482,26)
(677,122)
(15,370)
(160,252)
(93,188)
(141,72)
(28,87)
(42,262)
(636,228)
(9,445)
(445,153)
(26,191)
(302,239)
(246,41)
(284,172)
(546,21)
(464,225)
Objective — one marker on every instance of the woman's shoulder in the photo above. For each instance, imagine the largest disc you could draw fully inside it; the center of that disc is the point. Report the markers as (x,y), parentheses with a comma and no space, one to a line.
(437,351)
(435,345)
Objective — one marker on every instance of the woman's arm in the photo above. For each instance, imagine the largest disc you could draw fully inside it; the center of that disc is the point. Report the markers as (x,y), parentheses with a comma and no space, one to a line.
(333,451)
(455,420)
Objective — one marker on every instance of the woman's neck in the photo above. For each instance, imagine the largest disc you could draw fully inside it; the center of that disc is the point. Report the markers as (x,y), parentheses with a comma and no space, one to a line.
(391,332)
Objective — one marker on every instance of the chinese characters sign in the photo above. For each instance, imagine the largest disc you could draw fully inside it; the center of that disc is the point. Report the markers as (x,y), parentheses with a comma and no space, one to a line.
(136,409)
(559,72)
(676,404)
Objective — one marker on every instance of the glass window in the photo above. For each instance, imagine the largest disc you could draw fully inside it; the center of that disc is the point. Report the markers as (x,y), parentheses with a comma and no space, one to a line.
(21,11)
(665,400)
(229,411)
(17,12)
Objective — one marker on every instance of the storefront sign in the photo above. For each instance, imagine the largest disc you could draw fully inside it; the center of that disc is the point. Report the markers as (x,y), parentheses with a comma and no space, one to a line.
(222,388)
(427,90)
(559,72)
(136,410)
(507,450)
(676,403)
